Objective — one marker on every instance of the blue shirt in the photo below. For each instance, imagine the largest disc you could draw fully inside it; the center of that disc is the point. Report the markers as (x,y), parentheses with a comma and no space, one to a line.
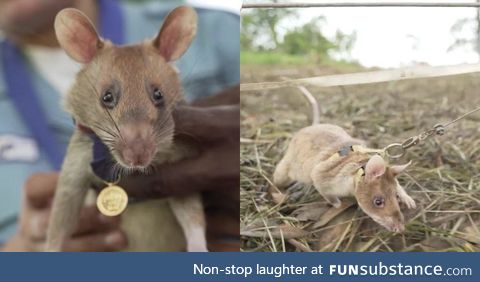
(210,65)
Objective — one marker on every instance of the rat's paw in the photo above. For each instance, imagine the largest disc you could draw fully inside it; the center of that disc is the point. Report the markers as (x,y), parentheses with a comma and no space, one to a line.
(337,205)
(334,201)
(409,202)
(52,246)
(51,249)
(201,248)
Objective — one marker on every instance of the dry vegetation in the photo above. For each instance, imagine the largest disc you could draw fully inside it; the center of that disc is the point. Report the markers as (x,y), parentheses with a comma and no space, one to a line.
(444,178)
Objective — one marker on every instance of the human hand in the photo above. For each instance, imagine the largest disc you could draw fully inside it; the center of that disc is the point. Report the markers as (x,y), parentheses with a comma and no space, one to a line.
(213,122)
(216,130)
(94,232)
(27,17)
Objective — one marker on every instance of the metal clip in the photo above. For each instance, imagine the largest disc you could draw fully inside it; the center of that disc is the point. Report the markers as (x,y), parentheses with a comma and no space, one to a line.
(395,150)
(410,142)
(426,134)
(439,129)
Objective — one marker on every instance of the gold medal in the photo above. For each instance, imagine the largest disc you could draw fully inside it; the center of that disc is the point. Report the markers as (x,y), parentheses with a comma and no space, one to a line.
(112,200)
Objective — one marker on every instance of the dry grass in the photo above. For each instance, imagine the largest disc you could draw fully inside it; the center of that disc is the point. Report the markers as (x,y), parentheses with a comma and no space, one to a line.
(443,180)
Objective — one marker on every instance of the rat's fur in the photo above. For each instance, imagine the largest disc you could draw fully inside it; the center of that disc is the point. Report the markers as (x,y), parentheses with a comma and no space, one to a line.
(154,225)
(308,161)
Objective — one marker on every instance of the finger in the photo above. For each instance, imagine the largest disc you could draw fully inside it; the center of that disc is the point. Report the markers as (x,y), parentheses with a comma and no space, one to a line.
(91,220)
(216,168)
(98,242)
(208,124)
(35,226)
(40,188)
(28,16)
(212,170)
(160,184)
(230,96)
(168,180)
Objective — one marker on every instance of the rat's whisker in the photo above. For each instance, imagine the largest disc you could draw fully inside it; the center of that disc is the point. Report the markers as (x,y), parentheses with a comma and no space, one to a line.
(105,130)
(105,109)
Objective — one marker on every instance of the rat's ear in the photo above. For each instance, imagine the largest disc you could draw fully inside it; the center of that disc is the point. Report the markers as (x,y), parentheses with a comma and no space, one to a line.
(177,32)
(77,35)
(397,169)
(375,168)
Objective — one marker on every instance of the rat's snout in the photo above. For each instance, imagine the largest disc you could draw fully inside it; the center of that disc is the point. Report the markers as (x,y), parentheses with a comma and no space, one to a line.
(397,227)
(137,145)
(397,224)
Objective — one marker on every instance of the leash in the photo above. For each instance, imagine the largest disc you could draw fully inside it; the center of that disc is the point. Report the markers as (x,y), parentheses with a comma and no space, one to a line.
(398,150)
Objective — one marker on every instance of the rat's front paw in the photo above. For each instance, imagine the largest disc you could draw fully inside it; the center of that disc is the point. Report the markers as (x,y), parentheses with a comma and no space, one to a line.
(337,205)
(409,202)
(201,248)
(53,245)
(334,201)
(52,249)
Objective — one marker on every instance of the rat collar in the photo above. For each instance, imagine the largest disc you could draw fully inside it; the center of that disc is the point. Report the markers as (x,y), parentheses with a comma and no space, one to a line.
(102,163)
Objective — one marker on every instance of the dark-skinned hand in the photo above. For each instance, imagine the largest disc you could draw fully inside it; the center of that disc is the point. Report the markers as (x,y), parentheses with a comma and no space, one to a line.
(94,232)
(216,132)
(214,126)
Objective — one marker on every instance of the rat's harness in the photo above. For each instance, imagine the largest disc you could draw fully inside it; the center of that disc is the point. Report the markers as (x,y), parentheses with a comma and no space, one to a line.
(344,151)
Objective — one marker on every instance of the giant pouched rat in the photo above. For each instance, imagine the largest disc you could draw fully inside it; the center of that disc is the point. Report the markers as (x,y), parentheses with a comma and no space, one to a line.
(125,96)
(337,165)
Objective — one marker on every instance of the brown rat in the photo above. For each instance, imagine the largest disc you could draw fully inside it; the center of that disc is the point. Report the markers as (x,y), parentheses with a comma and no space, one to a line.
(337,165)
(126,96)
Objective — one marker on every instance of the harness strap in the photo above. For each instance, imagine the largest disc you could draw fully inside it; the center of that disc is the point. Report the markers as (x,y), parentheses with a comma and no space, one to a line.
(344,151)
(359,175)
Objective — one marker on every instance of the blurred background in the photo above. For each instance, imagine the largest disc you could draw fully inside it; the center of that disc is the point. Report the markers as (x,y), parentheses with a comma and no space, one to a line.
(387,37)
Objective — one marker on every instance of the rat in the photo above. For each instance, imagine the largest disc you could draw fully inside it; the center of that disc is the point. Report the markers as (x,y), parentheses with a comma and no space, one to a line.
(125,95)
(337,165)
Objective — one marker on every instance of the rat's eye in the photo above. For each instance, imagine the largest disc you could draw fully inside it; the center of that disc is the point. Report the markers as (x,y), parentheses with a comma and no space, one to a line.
(108,99)
(157,96)
(379,202)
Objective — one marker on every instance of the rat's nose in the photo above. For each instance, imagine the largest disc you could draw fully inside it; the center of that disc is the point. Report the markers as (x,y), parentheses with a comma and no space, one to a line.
(397,222)
(137,144)
(398,228)
(136,154)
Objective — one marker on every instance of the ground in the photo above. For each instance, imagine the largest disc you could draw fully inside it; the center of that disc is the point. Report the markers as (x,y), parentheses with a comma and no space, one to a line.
(443,180)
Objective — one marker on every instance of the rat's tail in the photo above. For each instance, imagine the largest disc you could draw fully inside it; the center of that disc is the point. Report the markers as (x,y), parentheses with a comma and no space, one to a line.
(313,103)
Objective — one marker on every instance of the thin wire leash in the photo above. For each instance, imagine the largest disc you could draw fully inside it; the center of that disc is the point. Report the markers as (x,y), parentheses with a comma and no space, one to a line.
(361,4)
(398,150)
